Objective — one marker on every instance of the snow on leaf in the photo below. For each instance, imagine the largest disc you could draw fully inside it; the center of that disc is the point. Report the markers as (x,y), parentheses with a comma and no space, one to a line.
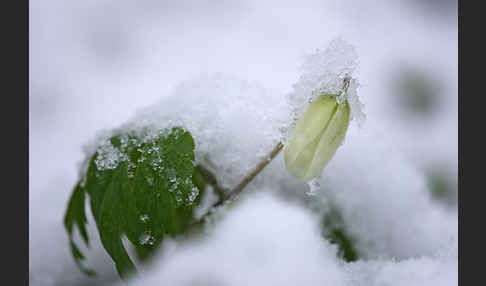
(144,200)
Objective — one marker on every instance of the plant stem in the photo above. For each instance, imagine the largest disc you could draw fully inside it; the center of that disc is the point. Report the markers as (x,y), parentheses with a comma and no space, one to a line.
(223,196)
(246,180)
(228,196)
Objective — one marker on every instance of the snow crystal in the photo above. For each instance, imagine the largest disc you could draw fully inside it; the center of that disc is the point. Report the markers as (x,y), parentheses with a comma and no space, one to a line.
(146,239)
(328,72)
(314,187)
(144,218)
(355,105)
(109,156)
(192,195)
(178,198)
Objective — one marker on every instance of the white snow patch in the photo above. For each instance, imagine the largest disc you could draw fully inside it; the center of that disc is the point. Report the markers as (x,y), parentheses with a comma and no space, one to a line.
(264,240)
(261,241)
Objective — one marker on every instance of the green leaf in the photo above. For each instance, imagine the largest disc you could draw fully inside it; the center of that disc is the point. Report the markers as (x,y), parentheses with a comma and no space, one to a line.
(199,182)
(76,214)
(334,231)
(141,186)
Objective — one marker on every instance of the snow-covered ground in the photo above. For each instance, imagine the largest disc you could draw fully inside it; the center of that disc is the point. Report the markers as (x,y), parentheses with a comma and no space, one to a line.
(97,64)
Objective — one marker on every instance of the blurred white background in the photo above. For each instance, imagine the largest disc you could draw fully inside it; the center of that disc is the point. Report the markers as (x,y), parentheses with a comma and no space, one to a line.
(94,63)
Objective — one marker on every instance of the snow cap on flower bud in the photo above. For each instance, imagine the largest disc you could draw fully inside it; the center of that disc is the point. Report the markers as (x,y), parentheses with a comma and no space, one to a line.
(316,137)
(324,100)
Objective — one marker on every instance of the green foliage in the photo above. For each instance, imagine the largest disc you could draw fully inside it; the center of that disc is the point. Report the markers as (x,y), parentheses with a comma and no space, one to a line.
(417,91)
(76,214)
(333,230)
(442,187)
(142,187)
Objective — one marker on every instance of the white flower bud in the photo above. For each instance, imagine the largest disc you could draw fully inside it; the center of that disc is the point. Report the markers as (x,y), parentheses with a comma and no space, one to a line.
(316,137)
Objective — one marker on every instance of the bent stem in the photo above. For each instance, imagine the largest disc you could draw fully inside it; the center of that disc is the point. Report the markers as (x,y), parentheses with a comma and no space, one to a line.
(228,196)
(246,180)
(225,196)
